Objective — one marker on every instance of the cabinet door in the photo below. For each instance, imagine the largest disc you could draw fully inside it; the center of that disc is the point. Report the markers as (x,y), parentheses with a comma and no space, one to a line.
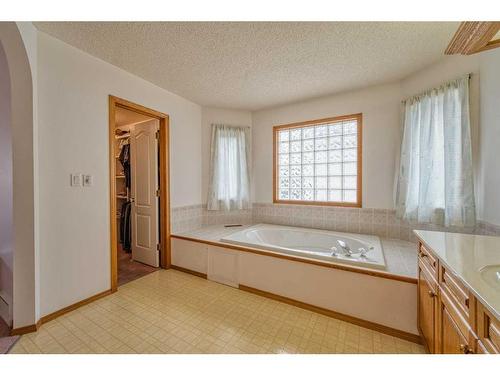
(451,339)
(427,308)
(488,331)
(480,348)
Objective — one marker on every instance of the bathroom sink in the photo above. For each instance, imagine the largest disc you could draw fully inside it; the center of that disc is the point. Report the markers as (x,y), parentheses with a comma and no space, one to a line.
(491,275)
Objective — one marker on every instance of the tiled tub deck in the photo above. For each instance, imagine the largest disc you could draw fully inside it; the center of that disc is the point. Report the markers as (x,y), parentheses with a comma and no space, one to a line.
(400,256)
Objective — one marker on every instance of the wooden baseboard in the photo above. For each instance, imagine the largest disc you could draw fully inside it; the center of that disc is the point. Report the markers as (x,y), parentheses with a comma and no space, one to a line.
(56,314)
(26,329)
(186,270)
(333,314)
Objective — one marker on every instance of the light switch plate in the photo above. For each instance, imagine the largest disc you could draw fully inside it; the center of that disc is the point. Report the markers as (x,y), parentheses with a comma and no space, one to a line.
(76,179)
(87,180)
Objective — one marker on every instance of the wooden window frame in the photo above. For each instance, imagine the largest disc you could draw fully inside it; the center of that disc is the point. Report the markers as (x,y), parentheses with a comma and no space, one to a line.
(359,118)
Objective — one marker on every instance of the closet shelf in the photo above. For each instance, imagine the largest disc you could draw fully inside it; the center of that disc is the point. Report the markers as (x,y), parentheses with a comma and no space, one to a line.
(120,176)
(122,136)
(120,196)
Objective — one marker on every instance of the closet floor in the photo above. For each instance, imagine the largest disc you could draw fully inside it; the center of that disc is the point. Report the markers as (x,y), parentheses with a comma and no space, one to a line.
(128,269)
(6,341)
(4,328)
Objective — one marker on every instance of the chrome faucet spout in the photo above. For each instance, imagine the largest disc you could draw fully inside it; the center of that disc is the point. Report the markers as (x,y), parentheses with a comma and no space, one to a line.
(345,247)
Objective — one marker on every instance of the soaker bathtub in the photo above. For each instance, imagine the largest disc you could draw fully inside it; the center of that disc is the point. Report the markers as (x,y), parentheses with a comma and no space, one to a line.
(312,243)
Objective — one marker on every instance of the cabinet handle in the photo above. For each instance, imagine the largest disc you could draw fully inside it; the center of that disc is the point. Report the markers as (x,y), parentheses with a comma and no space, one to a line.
(431,294)
(465,349)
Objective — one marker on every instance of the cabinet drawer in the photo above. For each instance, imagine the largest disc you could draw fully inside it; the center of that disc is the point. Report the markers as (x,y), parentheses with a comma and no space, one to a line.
(456,290)
(494,334)
(429,275)
(429,259)
(452,340)
(460,319)
(488,329)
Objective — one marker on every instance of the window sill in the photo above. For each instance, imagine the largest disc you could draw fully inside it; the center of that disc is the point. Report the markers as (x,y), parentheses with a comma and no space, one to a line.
(317,203)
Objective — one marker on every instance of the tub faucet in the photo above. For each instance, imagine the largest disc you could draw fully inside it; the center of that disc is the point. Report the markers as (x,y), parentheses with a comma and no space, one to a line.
(345,247)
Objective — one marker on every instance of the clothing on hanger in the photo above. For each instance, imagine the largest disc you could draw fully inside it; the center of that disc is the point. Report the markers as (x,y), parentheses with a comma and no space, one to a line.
(123,142)
(126,227)
(125,161)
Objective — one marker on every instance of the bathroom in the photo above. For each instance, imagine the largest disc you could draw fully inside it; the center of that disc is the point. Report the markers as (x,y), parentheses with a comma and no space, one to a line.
(285,210)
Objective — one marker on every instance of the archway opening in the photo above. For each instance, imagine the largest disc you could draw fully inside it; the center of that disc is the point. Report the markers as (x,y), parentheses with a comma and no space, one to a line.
(19,251)
(6,199)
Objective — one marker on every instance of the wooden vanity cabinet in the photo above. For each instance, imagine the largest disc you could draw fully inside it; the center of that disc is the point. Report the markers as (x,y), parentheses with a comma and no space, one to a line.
(427,307)
(452,341)
(450,319)
(456,319)
(427,259)
(455,335)
(480,348)
(488,331)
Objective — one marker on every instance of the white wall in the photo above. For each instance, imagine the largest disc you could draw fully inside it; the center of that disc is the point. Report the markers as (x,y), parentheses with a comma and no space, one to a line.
(211,116)
(73,137)
(448,68)
(489,180)
(380,108)
(6,210)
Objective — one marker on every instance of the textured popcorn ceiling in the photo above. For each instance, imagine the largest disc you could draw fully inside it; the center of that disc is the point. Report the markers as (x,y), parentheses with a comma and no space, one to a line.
(256,65)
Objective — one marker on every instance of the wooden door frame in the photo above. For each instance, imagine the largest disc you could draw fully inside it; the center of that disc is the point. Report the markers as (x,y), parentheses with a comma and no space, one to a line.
(164,174)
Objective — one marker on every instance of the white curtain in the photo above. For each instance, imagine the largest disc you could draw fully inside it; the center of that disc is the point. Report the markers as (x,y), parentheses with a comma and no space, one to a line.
(435,181)
(229,187)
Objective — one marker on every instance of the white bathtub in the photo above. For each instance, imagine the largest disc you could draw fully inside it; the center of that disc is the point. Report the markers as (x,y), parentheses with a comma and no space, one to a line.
(311,243)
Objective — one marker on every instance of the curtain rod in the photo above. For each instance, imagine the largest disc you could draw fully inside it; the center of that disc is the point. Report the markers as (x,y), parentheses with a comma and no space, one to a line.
(468,75)
(233,126)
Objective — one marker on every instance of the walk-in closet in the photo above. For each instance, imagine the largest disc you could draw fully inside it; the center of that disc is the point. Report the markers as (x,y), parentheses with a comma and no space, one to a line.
(136,186)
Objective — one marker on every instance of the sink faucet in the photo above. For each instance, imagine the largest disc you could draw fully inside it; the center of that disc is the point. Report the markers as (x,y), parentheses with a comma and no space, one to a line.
(345,247)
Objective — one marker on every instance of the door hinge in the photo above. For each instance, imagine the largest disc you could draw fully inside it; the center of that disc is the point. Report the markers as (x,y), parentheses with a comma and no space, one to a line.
(157,134)
(158,247)
(157,193)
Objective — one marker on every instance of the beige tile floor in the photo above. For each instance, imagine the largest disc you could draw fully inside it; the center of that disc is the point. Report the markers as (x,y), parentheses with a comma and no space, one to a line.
(173,312)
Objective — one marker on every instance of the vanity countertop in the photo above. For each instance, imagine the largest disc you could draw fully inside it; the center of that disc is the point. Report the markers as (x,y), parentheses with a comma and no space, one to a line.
(473,258)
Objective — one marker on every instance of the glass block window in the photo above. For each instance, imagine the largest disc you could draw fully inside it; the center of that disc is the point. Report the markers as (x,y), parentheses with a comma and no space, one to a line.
(316,162)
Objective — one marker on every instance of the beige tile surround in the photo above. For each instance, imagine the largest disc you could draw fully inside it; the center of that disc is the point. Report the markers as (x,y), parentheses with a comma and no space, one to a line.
(192,217)
(380,222)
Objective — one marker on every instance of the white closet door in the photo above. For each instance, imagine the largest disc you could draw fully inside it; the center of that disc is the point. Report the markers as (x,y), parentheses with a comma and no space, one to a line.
(144,184)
